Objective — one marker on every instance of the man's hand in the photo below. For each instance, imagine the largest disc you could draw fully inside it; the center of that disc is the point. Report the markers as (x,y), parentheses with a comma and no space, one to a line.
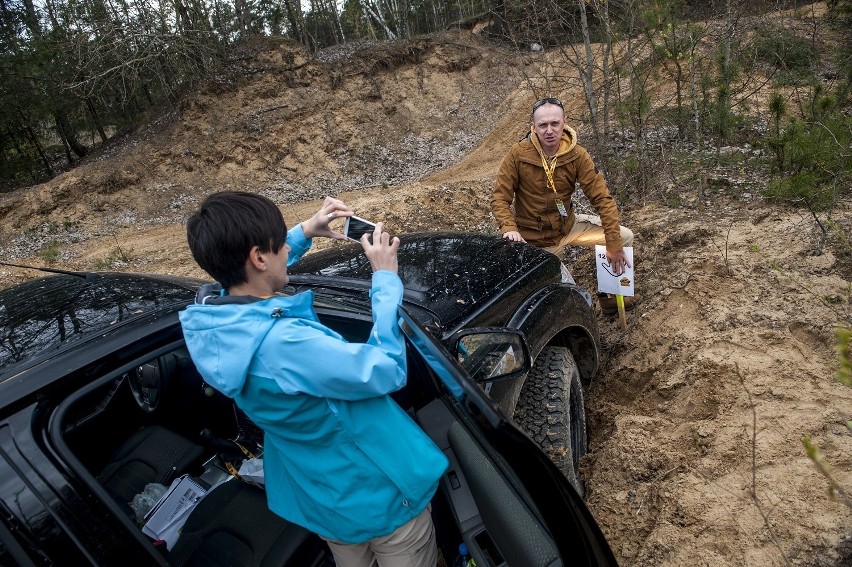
(514,236)
(618,261)
(317,225)
(382,250)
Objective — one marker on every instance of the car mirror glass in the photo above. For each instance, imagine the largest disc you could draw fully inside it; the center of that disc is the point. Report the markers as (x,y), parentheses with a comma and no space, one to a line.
(492,355)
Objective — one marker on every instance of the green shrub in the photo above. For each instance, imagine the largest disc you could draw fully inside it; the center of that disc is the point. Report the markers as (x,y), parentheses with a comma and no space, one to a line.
(812,154)
(802,187)
(50,252)
(786,51)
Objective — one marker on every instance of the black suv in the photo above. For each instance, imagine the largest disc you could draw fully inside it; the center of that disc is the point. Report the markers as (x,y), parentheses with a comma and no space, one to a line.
(101,402)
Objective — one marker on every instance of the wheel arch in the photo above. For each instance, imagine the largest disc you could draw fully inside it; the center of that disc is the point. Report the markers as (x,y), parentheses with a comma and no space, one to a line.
(562,315)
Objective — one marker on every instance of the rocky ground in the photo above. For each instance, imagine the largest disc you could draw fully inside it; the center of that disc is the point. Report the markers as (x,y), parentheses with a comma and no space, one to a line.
(697,416)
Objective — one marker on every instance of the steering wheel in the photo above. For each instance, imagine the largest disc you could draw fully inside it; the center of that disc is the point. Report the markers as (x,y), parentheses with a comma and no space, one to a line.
(146,383)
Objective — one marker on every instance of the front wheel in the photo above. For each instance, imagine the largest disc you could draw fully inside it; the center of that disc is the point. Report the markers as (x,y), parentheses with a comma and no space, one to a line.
(551,411)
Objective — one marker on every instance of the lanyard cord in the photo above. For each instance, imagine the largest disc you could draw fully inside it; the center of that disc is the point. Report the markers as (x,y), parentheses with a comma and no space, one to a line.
(548,170)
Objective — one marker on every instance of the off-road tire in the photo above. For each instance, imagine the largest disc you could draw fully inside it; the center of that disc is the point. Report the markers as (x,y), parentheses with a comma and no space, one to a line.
(551,411)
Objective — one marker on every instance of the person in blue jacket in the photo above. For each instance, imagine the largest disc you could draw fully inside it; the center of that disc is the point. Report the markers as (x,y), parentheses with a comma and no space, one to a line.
(341,458)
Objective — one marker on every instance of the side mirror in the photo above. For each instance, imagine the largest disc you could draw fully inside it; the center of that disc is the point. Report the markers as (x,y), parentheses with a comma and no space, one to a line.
(492,354)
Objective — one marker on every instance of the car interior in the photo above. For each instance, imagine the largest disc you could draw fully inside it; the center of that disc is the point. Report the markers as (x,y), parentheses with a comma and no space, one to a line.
(152,421)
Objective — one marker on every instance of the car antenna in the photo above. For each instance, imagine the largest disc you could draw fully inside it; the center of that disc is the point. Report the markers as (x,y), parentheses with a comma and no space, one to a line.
(49,270)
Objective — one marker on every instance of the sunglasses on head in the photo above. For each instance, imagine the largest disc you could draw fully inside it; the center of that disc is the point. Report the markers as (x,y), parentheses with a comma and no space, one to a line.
(548,100)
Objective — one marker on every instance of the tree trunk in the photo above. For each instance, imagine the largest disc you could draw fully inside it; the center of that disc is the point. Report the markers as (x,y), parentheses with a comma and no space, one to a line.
(587,71)
(96,119)
(602,11)
(241,12)
(724,98)
(378,17)
(296,20)
(681,122)
(65,132)
(31,18)
(40,151)
(693,94)
(499,14)
(339,24)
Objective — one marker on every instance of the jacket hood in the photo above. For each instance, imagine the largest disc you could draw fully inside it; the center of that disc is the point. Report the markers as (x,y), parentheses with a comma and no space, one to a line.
(238,325)
(568,142)
(215,294)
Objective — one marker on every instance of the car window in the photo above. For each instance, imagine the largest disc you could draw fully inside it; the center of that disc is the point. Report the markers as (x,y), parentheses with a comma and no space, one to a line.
(50,313)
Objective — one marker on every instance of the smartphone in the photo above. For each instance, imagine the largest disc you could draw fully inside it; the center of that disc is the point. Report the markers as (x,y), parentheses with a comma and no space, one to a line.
(355,227)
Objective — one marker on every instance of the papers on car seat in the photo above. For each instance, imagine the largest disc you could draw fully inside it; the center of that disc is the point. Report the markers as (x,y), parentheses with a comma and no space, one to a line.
(167,517)
(251,470)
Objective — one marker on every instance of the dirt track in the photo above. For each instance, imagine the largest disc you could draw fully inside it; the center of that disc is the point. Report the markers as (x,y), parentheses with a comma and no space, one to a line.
(697,416)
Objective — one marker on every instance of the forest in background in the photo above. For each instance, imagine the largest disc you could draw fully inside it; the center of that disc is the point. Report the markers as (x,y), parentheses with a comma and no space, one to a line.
(662,78)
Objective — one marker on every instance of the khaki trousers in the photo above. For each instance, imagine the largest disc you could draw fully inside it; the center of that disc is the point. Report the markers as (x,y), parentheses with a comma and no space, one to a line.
(411,545)
(587,232)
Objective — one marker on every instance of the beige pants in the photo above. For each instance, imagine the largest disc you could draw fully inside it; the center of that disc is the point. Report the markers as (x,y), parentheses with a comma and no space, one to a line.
(587,232)
(411,545)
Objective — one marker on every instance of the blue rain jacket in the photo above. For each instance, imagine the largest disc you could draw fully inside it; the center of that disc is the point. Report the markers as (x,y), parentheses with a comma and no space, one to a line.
(340,457)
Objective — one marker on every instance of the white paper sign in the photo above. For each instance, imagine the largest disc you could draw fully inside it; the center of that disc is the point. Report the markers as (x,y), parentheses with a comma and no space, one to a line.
(610,282)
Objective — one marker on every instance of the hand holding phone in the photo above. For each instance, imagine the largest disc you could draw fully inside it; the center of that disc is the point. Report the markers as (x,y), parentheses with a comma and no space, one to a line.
(318,224)
(381,249)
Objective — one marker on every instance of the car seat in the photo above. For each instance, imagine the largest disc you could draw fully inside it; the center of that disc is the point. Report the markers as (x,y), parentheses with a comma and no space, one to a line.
(152,454)
(232,526)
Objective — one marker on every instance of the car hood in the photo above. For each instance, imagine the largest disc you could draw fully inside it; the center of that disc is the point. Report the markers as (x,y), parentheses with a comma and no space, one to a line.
(451,274)
(48,314)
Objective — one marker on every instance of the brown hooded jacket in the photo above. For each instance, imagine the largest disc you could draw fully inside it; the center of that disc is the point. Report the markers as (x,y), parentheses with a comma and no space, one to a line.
(522,179)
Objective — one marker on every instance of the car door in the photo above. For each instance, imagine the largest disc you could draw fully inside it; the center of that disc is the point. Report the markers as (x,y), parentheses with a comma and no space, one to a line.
(511,504)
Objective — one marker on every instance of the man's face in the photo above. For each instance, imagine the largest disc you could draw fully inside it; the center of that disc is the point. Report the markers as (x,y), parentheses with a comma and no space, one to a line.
(548,122)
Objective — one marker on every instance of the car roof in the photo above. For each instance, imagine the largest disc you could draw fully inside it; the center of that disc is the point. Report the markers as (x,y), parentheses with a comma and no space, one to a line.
(51,313)
(450,274)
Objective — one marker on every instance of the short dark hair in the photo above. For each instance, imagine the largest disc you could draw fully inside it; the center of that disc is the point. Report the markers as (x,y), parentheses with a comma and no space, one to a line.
(549,100)
(541,102)
(226,226)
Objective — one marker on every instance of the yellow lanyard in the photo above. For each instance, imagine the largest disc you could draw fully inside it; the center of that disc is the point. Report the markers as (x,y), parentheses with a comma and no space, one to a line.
(548,171)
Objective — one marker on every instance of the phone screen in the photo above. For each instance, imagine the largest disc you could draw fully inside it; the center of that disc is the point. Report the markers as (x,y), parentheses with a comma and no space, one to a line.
(355,227)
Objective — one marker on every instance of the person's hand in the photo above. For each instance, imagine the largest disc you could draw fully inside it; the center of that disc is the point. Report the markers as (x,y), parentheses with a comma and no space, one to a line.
(618,261)
(317,225)
(382,250)
(514,236)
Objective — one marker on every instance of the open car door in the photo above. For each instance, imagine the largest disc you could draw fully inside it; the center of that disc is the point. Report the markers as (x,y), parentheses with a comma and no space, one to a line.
(511,504)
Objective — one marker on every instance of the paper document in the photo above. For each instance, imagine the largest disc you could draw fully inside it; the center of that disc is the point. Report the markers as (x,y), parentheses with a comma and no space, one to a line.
(167,517)
(610,282)
(252,470)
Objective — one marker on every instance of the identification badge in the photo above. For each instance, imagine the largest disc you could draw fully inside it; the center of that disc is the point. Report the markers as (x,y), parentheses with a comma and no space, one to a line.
(561,207)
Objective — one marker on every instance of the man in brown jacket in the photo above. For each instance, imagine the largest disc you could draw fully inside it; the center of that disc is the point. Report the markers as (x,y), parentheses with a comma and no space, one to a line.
(539,175)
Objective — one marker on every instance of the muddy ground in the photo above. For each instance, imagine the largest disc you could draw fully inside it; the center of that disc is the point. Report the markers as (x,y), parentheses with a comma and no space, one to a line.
(697,415)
